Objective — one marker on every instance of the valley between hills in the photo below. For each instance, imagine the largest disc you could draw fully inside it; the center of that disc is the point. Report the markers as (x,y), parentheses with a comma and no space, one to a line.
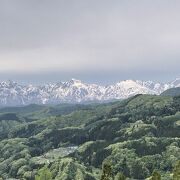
(136,138)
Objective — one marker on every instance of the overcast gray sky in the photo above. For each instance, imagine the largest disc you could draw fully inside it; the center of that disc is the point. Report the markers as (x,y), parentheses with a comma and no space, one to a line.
(94,40)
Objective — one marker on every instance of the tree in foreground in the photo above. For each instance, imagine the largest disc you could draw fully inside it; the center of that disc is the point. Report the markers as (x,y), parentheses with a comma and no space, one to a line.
(176,171)
(106,171)
(120,176)
(156,176)
(44,174)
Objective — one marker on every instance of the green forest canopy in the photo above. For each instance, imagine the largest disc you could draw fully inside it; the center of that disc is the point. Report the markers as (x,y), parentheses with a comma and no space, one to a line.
(139,137)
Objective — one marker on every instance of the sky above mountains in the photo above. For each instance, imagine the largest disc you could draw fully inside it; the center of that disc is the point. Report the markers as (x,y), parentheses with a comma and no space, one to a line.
(97,41)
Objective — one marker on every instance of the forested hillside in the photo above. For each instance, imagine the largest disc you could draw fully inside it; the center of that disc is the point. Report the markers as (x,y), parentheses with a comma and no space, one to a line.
(172,92)
(137,138)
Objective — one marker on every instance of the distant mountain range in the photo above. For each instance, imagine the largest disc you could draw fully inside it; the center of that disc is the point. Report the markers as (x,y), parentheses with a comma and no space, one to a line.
(76,91)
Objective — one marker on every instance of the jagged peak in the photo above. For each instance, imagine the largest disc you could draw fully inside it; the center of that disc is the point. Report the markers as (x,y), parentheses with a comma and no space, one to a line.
(75,90)
(9,83)
(75,80)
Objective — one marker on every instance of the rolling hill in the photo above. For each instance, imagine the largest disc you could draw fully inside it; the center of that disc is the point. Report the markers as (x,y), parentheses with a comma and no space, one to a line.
(135,136)
(171,92)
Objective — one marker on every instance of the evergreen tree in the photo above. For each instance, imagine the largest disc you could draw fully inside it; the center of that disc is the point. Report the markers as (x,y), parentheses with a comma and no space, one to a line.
(176,171)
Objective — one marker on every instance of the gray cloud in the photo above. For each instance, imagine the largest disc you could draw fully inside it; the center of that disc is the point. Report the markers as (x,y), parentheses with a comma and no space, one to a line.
(103,40)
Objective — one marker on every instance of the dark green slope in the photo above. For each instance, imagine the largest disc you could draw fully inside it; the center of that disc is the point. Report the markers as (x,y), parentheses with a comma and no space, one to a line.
(136,136)
(34,111)
(172,92)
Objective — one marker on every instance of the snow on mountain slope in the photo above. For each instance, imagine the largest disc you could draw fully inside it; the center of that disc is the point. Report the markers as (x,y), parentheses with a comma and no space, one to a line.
(157,88)
(126,89)
(175,83)
(75,91)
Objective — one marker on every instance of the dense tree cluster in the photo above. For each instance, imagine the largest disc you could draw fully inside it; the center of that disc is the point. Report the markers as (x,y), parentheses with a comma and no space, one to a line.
(137,138)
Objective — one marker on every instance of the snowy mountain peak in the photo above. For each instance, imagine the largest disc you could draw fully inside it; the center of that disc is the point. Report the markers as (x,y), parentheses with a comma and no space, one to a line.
(75,82)
(8,83)
(73,91)
(128,83)
(176,82)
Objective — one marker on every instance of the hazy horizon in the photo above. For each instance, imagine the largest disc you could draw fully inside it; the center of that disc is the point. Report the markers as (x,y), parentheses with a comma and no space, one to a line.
(95,41)
(84,81)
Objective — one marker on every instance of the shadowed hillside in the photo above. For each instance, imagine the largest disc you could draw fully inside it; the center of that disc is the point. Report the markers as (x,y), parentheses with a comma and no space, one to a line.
(172,92)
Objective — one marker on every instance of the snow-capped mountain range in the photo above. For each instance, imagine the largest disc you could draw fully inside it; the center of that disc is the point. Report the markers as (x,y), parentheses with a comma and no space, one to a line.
(76,91)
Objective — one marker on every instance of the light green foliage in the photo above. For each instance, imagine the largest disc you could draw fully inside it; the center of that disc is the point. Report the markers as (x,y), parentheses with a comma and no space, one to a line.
(14,156)
(91,152)
(44,174)
(155,176)
(68,168)
(120,176)
(137,136)
(149,101)
(176,171)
